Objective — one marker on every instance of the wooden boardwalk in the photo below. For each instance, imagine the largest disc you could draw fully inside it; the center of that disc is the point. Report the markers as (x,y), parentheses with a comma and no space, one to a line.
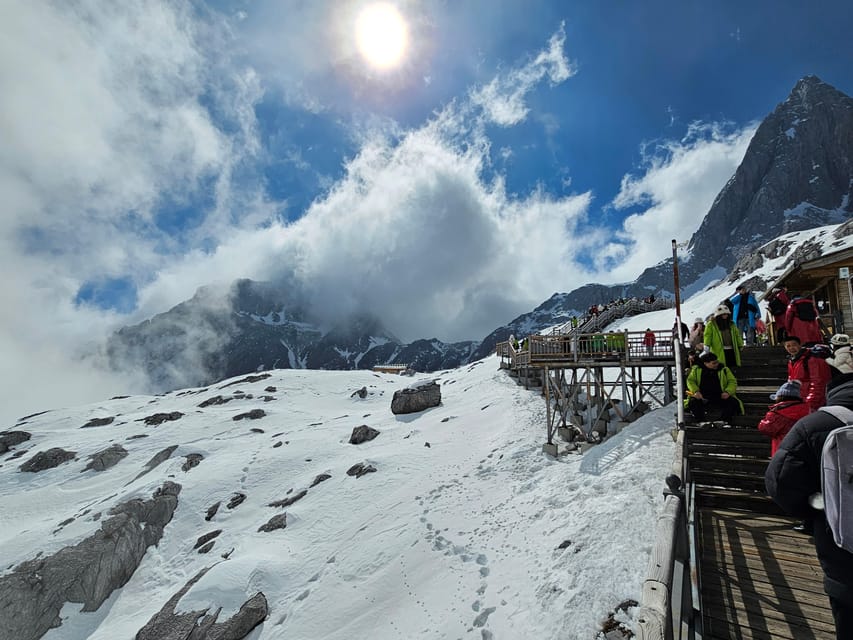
(758,578)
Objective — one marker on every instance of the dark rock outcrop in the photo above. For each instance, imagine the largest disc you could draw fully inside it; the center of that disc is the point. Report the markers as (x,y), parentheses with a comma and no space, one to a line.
(236,500)
(278,521)
(416,398)
(360,469)
(167,624)
(9,439)
(47,459)
(286,502)
(32,595)
(211,511)
(320,478)
(107,458)
(362,433)
(157,460)
(160,418)
(99,422)
(192,460)
(254,414)
(207,537)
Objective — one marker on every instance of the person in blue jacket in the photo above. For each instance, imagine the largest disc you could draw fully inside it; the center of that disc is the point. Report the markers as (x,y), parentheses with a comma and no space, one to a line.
(745,312)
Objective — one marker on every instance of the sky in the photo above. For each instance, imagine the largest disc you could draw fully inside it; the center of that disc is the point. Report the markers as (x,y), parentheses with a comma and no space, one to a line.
(457,534)
(447,172)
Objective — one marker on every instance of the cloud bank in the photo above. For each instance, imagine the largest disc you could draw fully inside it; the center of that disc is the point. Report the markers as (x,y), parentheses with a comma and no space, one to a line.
(125,119)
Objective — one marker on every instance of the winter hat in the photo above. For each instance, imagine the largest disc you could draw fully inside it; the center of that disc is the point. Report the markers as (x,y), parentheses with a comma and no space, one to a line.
(839,339)
(697,320)
(790,389)
(722,310)
(707,356)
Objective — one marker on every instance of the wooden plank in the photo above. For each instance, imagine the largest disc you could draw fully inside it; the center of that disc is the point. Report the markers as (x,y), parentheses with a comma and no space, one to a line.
(720,624)
(785,585)
(805,576)
(747,609)
(728,480)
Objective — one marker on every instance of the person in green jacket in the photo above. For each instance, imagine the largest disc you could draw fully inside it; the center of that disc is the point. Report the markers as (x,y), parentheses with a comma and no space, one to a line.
(711,384)
(723,337)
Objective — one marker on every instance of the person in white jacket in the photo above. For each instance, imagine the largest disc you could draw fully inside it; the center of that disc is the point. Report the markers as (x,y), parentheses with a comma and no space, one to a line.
(842,356)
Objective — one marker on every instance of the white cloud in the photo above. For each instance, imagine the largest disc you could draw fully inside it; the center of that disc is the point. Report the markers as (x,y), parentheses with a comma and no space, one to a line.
(681,179)
(113,115)
(106,115)
(503,100)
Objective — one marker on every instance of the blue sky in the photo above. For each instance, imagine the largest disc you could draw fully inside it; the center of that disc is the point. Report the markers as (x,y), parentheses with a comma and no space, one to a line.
(515,149)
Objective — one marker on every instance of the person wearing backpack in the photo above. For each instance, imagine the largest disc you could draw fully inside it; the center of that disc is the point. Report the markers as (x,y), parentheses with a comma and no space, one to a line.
(745,312)
(810,370)
(777,304)
(788,407)
(794,480)
(801,320)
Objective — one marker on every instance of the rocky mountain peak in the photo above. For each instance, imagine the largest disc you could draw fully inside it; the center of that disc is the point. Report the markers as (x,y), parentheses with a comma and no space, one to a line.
(797,174)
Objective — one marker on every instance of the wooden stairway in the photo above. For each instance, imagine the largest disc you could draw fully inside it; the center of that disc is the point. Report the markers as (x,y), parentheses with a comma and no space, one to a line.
(758,578)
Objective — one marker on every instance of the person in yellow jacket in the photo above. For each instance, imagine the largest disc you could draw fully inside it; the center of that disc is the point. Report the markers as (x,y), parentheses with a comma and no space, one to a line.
(711,384)
(723,338)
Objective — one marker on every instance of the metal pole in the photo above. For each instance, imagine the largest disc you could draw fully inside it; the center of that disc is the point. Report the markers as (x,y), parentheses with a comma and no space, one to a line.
(677,341)
(677,288)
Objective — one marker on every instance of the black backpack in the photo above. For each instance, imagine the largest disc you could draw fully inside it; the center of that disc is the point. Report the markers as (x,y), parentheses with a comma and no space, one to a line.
(805,310)
(776,306)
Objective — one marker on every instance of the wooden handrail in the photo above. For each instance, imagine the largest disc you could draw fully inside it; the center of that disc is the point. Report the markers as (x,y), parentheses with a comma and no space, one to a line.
(660,615)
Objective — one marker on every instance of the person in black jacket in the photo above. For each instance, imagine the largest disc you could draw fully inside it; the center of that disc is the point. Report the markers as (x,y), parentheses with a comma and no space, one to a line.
(792,480)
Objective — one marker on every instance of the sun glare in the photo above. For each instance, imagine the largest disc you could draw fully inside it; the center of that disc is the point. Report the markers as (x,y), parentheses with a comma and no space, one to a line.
(382,35)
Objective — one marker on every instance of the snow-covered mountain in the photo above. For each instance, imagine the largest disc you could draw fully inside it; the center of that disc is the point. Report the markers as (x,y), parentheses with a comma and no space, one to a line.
(255,326)
(132,517)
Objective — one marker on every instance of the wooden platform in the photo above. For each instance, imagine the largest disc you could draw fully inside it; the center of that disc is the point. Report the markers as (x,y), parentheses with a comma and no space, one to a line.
(760,579)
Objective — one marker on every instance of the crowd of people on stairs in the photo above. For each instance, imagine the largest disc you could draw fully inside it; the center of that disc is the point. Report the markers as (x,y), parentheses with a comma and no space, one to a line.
(799,420)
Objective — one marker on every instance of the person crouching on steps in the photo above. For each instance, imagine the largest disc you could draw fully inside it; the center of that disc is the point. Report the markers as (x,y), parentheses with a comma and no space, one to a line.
(712,384)
(788,408)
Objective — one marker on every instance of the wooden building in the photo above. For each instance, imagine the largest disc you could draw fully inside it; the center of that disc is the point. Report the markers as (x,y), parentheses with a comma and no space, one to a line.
(827,279)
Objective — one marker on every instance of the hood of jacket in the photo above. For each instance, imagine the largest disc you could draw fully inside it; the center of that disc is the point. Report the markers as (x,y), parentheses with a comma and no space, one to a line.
(840,390)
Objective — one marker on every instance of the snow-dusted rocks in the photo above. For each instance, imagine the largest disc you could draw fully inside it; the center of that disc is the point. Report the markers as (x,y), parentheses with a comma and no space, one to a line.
(109,457)
(360,469)
(278,521)
(9,439)
(362,433)
(419,396)
(33,594)
(49,459)
(169,624)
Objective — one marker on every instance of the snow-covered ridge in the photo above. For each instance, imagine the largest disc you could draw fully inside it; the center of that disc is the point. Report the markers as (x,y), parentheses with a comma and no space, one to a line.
(465,525)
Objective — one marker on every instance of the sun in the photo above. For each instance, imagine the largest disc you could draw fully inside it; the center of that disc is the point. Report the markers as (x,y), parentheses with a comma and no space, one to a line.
(382,35)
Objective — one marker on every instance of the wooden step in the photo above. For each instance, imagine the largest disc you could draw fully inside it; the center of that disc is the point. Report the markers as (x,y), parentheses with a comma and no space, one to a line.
(721,498)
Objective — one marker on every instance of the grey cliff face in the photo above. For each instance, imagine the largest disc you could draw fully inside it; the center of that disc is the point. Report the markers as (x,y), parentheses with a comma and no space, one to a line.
(797,174)
(259,326)
(33,593)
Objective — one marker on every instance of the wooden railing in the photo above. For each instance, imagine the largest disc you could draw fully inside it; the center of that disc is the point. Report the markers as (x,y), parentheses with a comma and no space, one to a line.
(613,312)
(624,346)
(670,597)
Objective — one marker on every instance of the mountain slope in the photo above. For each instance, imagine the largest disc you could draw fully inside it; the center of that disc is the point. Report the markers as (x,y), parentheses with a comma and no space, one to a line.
(464,529)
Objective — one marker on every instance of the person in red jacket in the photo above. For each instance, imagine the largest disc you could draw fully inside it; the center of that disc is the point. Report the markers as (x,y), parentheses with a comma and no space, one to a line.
(777,305)
(649,340)
(801,320)
(812,372)
(781,416)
